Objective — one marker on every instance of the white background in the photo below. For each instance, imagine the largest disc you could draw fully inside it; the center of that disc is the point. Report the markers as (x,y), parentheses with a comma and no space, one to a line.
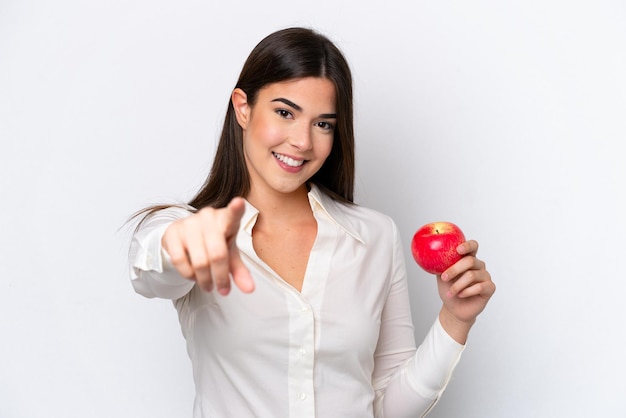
(507,118)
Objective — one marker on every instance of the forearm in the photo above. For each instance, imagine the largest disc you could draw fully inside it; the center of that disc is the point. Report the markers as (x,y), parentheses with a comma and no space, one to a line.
(416,387)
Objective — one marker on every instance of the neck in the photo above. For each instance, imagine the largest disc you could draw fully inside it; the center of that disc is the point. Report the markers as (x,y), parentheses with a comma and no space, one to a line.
(274,206)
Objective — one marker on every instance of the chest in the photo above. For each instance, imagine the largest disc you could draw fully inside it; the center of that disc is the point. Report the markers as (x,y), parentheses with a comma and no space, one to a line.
(286,250)
(336,314)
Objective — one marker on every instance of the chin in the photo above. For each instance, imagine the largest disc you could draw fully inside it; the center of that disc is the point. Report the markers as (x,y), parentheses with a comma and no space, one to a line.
(290,188)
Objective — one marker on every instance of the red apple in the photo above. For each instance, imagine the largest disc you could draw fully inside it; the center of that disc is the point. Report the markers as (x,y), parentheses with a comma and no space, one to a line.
(434,246)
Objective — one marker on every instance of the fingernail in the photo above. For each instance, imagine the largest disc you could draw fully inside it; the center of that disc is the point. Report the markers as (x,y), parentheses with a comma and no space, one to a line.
(444,277)
(223,291)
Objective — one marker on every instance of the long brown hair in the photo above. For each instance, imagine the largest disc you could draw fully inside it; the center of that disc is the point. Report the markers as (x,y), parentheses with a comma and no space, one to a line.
(284,55)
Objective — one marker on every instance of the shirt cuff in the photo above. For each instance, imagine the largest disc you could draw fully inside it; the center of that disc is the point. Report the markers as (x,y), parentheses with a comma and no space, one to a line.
(152,273)
(149,255)
(432,366)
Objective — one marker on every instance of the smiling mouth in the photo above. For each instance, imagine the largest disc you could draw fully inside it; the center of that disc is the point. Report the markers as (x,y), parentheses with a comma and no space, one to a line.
(288,160)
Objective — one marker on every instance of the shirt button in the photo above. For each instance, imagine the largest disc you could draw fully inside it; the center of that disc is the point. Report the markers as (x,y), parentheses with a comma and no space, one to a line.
(302,396)
(302,352)
(305,309)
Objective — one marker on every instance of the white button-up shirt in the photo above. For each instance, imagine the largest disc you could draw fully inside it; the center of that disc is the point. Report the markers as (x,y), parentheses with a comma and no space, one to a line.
(342,347)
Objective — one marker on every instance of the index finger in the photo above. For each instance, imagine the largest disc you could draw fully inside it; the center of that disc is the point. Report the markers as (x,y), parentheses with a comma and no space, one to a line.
(468,248)
(238,271)
(227,261)
(235,210)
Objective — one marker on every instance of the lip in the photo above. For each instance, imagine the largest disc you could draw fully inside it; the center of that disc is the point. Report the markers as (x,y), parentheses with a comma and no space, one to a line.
(286,162)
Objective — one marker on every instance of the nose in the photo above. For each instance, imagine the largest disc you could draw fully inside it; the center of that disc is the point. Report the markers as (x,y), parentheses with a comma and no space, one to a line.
(300,138)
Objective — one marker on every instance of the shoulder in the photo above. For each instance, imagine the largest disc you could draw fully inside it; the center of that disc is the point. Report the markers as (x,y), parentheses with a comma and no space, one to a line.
(163,214)
(366,215)
(368,224)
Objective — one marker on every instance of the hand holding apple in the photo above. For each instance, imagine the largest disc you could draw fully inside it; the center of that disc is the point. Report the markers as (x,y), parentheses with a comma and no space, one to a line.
(434,246)
(464,284)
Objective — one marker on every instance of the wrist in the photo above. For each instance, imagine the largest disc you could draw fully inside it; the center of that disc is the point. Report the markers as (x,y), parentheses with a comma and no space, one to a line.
(454,327)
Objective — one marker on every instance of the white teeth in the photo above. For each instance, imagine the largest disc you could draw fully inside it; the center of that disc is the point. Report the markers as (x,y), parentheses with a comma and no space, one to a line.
(288,160)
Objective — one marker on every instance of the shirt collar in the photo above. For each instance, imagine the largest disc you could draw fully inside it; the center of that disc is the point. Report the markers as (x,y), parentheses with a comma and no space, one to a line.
(320,201)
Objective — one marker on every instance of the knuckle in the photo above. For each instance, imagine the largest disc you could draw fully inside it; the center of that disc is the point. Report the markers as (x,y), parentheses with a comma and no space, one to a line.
(206,214)
(480,288)
(206,283)
(185,270)
(473,276)
(206,211)
(187,274)
(200,262)
(178,259)
(219,256)
(218,253)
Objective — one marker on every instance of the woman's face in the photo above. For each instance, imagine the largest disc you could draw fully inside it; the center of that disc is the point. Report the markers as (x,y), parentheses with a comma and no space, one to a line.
(288,133)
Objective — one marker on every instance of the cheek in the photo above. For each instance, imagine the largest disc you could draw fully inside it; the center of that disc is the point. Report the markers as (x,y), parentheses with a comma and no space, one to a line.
(266,134)
(325,147)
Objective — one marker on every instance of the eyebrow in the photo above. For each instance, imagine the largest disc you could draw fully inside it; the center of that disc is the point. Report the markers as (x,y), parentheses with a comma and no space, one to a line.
(299,108)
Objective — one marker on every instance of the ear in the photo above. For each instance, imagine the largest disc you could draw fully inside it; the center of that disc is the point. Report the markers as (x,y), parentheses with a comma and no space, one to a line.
(239,98)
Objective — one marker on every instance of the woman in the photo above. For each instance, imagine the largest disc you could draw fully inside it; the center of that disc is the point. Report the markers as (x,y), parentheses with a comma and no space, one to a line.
(316,322)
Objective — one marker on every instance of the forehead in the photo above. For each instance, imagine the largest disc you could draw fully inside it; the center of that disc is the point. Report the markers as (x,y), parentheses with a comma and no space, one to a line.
(309,92)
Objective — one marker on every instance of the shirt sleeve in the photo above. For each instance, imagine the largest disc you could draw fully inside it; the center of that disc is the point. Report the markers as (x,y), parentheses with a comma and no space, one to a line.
(409,381)
(151,271)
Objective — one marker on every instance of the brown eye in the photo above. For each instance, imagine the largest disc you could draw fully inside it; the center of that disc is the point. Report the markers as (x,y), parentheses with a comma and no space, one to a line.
(284,113)
(327,126)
